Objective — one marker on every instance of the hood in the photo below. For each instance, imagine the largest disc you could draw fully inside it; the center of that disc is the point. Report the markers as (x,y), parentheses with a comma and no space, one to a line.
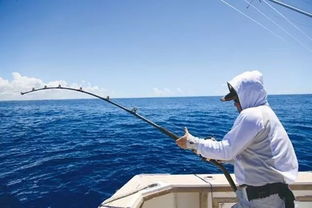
(249,88)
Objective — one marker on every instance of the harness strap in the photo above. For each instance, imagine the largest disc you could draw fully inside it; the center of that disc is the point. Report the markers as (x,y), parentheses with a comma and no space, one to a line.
(282,189)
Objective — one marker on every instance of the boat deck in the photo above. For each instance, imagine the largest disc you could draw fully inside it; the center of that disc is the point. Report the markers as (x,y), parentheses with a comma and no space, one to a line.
(191,191)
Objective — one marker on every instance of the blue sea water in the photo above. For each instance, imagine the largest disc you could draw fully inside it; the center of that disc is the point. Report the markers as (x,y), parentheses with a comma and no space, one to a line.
(76,153)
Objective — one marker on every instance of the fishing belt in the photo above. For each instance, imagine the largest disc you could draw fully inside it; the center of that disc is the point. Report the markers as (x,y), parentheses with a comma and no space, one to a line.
(282,189)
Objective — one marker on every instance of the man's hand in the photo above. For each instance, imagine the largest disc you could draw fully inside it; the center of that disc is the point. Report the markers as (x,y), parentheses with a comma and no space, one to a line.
(188,141)
(182,141)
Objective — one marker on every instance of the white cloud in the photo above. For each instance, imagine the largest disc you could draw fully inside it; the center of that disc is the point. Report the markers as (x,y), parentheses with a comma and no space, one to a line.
(11,89)
(166,92)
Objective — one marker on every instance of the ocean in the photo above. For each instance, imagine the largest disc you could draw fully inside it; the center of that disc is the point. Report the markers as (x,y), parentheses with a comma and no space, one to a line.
(76,153)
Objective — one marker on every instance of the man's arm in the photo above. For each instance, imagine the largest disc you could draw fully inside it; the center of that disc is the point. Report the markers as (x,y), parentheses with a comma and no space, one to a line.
(236,140)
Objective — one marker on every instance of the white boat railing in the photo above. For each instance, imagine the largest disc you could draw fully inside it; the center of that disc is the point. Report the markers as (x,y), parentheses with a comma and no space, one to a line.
(191,191)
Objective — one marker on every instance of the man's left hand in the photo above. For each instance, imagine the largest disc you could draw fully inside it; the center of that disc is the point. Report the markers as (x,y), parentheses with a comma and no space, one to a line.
(182,141)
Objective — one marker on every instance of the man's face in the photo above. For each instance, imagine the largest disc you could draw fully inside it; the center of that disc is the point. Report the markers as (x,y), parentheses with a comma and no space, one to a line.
(237,105)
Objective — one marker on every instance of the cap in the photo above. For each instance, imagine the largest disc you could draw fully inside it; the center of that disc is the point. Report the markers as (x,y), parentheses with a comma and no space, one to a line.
(231,95)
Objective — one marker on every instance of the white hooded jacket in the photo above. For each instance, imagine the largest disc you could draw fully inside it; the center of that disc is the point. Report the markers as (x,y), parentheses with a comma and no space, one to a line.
(258,143)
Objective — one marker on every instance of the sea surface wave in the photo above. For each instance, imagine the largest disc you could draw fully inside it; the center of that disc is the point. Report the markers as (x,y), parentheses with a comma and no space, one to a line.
(76,153)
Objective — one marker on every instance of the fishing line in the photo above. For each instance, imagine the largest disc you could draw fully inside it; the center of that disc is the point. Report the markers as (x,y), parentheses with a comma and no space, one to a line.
(279,26)
(250,18)
(134,113)
(285,18)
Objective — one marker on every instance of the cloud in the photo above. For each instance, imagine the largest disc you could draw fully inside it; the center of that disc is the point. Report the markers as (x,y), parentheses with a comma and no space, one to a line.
(166,92)
(11,89)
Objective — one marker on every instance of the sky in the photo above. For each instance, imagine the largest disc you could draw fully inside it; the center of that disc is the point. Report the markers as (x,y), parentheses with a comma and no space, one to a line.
(154,48)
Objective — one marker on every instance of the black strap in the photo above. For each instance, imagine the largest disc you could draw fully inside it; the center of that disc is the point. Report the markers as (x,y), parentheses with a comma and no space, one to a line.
(283,191)
(288,196)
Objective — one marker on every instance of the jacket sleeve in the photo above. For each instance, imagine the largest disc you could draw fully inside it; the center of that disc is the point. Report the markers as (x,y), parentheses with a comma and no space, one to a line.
(246,127)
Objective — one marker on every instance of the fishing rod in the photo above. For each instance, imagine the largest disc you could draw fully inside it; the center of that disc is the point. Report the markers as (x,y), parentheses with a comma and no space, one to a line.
(134,112)
(292,8)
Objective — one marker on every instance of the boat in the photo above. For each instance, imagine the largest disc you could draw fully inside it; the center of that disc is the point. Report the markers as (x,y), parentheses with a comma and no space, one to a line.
(191,191)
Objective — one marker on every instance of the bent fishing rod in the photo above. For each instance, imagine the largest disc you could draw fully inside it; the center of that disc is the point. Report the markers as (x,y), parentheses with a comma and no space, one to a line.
(134,112)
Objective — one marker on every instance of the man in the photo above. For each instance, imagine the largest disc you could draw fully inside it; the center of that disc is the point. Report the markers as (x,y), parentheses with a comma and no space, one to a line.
(264,158)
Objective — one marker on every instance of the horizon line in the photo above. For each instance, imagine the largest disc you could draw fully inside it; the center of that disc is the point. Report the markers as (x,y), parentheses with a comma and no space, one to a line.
(149,97)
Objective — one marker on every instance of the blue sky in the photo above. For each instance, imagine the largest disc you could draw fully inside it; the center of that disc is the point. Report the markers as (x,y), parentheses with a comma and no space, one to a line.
(152,48)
